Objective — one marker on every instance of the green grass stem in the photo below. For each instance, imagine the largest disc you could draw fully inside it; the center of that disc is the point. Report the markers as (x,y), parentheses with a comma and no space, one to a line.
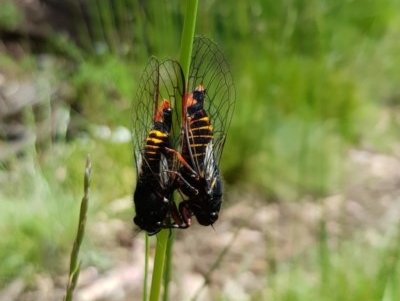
(146,266)
(184,59)
(168,265)
(75,266)
(189,25)
(159,260)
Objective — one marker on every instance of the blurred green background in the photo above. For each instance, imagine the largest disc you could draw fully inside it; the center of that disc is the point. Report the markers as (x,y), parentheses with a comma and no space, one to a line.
(314,81)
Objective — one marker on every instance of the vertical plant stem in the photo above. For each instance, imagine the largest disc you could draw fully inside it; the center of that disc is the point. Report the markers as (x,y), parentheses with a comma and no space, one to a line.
(162,239)
(168,264)
(189,25)
(75,266)
(184,59)
(146,266)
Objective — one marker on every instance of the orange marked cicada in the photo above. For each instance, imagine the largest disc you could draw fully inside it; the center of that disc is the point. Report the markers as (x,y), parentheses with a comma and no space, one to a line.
(185,160)
(207,109)
(152,118)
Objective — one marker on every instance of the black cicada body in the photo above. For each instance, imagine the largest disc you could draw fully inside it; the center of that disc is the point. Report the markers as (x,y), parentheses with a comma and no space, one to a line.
(181,152)
(153,118)
(206,115)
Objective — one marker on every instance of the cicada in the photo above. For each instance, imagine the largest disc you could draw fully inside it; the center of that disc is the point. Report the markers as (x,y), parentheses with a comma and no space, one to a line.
(207,109)
(186,160)
(152,118)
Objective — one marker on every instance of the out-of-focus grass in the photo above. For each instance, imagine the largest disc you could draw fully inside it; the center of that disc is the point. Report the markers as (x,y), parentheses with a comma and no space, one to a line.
(294,66)
(295,69)
(106,85)
(35,222)
(40,203)
(304,108)
(352,271)
(312,79)
(9,15)
(298,129)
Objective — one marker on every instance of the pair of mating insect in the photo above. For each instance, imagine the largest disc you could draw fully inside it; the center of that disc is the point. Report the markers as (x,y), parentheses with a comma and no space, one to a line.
(181,154)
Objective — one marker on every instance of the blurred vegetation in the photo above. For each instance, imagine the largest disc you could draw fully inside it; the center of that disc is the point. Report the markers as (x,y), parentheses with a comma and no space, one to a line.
(313,78)
(341,275)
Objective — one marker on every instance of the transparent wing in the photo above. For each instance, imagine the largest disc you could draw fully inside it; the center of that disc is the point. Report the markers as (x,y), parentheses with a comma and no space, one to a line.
(161,80)
(210,68)
(171,87)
